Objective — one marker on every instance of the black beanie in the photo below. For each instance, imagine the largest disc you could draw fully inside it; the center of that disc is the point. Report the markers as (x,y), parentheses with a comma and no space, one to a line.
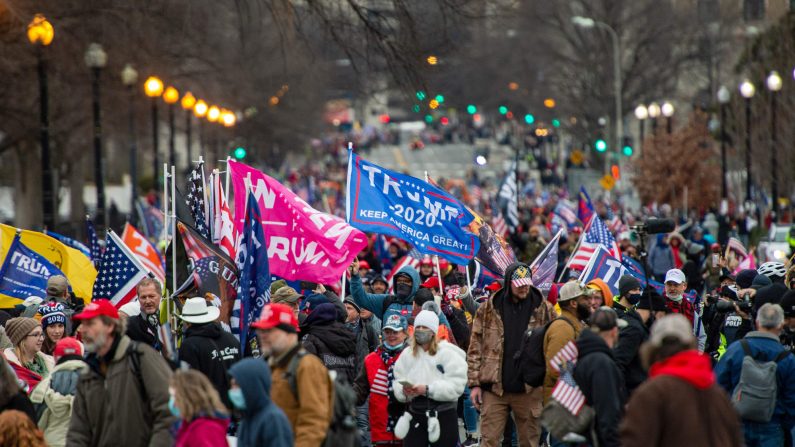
(627,283)
(788,304)
(423,296)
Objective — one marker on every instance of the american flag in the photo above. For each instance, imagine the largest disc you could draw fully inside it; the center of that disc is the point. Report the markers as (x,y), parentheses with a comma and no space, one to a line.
(566,355)
(566,212)
(596,234)
(498,223)
(196,200)
(568,393)
(508,198)
(119,274)
(737,247)
(93,242)
(412,259)
(224,234)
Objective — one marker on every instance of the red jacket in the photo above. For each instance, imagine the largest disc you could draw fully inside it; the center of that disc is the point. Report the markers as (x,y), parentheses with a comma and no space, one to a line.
(376,372)
(202,432)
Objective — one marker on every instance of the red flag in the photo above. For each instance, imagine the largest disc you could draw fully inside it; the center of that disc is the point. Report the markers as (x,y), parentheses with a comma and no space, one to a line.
(144,251)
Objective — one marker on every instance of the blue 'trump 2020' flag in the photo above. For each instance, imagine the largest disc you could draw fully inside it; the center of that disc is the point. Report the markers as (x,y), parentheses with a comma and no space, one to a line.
(387,202)
(25,272)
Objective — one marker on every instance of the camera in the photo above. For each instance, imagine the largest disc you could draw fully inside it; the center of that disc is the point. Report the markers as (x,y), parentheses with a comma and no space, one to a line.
(745,305)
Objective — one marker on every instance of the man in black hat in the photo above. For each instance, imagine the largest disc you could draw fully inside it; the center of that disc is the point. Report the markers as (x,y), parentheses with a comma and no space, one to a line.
(787,336)
(627,351)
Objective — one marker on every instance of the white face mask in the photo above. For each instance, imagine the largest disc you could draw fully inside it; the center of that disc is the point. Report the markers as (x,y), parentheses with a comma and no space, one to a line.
(675,298)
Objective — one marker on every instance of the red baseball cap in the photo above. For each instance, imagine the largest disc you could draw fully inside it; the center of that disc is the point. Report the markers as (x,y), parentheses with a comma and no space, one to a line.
(431,283)
(97,308)
(67,346)
(278,316)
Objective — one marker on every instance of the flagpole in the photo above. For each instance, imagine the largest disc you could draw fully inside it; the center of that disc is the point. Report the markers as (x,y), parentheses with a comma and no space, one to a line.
(164,205)
(226,184)
(173,253)
(436,258)
(342,291)
(573,252)
(205,196)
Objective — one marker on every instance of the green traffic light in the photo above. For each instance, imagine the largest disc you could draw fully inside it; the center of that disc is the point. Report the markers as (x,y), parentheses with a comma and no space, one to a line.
(421,95)
(416,108)
(439,98)
(600,145)
(503,110)
(627,151)
(428,119)
(471,109)
(556,123)
(240,153)
(529,118)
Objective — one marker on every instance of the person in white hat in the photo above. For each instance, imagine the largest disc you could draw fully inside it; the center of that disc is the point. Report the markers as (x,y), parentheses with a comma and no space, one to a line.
(431,375)
(675,301)
(206,347)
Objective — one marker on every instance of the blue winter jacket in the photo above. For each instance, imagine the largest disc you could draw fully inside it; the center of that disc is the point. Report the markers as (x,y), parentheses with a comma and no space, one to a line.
(764,347)
(374,302)
(263,423)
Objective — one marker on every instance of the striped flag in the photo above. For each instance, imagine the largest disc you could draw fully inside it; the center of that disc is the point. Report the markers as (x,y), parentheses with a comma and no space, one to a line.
(567,355)
(93,242)
(412,259)
(595,235)
(196,200)
(568,393)
(508,198)
(119,274)
(224,234)
(498,223)
(737,247)
(566,212)
(146,252)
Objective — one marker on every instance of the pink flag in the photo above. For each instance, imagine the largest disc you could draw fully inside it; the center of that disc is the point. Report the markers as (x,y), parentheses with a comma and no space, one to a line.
(303,243)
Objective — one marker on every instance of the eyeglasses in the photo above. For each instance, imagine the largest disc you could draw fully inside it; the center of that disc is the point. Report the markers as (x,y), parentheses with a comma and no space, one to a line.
(39,335)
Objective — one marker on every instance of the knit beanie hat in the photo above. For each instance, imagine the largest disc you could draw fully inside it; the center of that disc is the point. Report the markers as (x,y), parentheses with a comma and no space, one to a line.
(427,319)
(627,283)
(18,328)
(52,313)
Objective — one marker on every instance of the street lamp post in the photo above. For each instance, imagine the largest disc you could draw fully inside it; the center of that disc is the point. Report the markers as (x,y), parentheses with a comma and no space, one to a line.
(171,96)
(654,113)
(641,113)
(774,85)
(40,34)
(95,59)
(587,22)
(213,116)
(154,88)
(667,110)
(200,110)
(723,98)
(747,90)
(129,77)
(187,103)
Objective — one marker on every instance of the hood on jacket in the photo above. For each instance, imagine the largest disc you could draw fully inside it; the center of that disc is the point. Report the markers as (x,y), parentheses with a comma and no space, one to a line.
(590,342)
(335,336)
(535,294)
(209,330)
(606,293)
(691,366)
(253,376)
(323,314)
(415,280)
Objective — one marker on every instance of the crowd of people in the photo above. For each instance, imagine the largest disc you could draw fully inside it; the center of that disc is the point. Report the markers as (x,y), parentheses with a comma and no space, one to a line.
(420,356)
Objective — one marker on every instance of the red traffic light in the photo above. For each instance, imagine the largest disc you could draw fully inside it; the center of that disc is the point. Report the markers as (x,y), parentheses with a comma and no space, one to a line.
(444,121)
(384,119)
(615,171)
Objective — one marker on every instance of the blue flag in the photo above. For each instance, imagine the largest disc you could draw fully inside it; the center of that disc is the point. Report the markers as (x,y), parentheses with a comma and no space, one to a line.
(545,265)
(387,202)
(585,207)
(255,279)
(93,243)
(77,245)
(25,272)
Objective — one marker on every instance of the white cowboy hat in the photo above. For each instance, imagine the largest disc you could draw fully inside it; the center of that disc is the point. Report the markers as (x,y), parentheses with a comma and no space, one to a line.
(197,311)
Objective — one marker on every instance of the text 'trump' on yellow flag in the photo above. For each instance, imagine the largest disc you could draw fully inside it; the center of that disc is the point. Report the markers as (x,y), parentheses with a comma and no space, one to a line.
(76,266)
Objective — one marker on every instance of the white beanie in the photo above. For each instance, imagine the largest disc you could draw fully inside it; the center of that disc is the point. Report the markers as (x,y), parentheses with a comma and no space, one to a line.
(132,309)
(428,319)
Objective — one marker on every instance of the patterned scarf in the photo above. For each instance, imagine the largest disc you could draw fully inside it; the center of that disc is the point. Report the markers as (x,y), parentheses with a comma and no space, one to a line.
(389,358)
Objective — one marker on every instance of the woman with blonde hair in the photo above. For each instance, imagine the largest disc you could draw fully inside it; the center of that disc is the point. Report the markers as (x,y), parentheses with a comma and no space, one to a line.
(203,419)
(29,363)
(431,375)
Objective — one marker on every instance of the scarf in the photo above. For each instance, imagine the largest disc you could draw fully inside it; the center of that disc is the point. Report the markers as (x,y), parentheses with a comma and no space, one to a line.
(389,358)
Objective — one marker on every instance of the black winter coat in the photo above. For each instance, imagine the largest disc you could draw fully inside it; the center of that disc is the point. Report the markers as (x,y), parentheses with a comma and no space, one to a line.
(139,329)
(601,382)
(209,349)
(20,402)
(627,350)
(332,342)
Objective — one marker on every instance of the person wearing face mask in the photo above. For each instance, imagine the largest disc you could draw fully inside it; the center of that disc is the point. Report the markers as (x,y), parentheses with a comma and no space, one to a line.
(309,410)
(496,385)
(263,423)
(574,301)
(675,287)
(632,335)
(202,418)
(431,376)
(406,283)
(376,382)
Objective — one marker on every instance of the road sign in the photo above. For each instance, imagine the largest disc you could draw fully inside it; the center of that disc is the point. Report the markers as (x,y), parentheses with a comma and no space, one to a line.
(607,182)
(577,157)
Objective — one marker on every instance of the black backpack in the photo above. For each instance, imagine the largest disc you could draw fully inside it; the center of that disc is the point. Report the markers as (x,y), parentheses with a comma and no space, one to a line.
(343,430)
(529,359)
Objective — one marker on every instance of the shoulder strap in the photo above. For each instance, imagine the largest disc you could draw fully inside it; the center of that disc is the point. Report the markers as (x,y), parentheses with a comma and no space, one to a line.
(135,362)
(782,355)
(292,372)
(746,347)
(567,321)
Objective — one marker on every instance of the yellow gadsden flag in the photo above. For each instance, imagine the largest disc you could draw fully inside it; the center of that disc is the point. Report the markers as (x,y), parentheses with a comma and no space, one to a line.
(77,268)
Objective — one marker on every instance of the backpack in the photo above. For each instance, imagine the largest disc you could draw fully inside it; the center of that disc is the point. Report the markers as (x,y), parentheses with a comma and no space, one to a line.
(343,430)
(754,397)
(529,359)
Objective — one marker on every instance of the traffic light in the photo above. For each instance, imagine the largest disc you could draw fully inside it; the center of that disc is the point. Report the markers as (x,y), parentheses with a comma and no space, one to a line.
(439,99)
(416,108)
(429,119)
(471,109)
(529,118)
(503,110)
(384,118)
(421,95)
(240,153)
(600,145)
(627,147)
(556,123)
(615,171)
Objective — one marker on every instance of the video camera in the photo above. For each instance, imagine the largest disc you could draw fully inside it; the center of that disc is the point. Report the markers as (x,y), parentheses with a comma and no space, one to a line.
(654,226)
(744,303)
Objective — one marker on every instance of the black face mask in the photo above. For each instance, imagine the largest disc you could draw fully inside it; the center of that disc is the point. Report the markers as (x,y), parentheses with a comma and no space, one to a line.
(634,298)
(583,312)
(402,291)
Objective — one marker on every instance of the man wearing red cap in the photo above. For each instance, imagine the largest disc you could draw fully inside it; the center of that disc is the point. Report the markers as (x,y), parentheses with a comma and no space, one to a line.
(123,397)
(301,385)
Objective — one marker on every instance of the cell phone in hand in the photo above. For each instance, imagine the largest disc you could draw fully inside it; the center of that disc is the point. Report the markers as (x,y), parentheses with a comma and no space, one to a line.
(405,383)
